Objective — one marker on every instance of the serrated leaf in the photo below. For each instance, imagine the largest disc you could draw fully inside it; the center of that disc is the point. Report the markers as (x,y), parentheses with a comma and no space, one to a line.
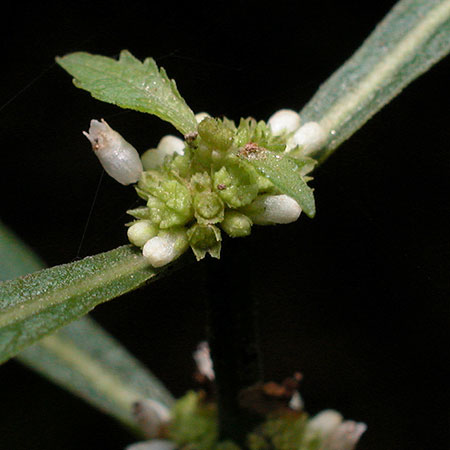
(130,83)
(38,304)
(283,172)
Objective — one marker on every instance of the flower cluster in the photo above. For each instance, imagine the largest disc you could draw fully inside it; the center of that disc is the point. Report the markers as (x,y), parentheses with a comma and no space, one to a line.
(195,189)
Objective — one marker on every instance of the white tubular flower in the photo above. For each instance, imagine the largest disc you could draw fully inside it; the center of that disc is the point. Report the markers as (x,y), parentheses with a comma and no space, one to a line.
(345,436)
(202,358)
(273,209)
(284,121)
(200,116)
(296,402)
(167,146)
(323,424)
(155,444)
(310,137)
(166,247)
(151,416)
(119,158)
(140,232)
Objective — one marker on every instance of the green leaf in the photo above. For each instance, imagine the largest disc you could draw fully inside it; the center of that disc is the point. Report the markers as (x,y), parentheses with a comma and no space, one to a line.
(129,83)
(16,258)
(82,357)
(87,361)
(406,43)
(36,305)
(283,172)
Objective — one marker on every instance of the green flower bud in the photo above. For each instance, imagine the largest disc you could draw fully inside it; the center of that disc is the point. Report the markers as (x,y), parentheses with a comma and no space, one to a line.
(236,185)
(141,231)
(236,224)
(201,182)
(216,134)
(169,201)
(182,164)
(194,423)
(162,215)
(209,208)
(204,239)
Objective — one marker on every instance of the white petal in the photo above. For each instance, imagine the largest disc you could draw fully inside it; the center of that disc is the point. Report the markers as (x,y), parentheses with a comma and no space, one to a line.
(309,137)
(323,424)
(167,146)
(151,416)
(171,144)
(284,121)
(165,248)
(273,209)
(140,232)
(155,444)
(119,158)
(202,358)
(345,436)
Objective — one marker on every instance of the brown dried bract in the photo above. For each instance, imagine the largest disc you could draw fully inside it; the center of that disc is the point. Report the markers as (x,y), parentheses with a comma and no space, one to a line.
(270,397)
(252,151)
(190,137)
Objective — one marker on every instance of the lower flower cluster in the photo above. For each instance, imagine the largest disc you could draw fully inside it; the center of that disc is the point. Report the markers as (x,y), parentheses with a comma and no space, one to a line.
(193,426)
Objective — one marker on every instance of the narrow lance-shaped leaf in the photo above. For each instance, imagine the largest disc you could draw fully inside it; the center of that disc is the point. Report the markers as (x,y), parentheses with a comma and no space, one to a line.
(36,305)
(406,43)
(82,357)
(87,361)
(283,172)
(129,83)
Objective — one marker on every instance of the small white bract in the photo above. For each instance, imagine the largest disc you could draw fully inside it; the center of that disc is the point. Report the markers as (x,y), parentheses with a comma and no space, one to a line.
(167,146)
(284,121)
(166,247)
(273,209)
(309,137)
(119,158)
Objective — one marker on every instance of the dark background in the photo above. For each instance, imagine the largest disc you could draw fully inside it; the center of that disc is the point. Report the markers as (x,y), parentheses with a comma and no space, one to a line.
(355,299)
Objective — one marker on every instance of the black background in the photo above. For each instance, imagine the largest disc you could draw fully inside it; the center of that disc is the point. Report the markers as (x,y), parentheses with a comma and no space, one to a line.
(355,299)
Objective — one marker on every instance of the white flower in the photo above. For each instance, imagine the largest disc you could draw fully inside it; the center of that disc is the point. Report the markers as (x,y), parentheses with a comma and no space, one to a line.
(310,137)
(345,436)
(151,416)
(273,209)
(140,232)
(119,158)
(167,146)
(155,444)
(166,247)
(203,360)
(284,121)
(323,424)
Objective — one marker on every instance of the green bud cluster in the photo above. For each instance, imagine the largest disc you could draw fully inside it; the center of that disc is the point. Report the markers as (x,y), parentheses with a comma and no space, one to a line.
(194,426)
(209,188)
